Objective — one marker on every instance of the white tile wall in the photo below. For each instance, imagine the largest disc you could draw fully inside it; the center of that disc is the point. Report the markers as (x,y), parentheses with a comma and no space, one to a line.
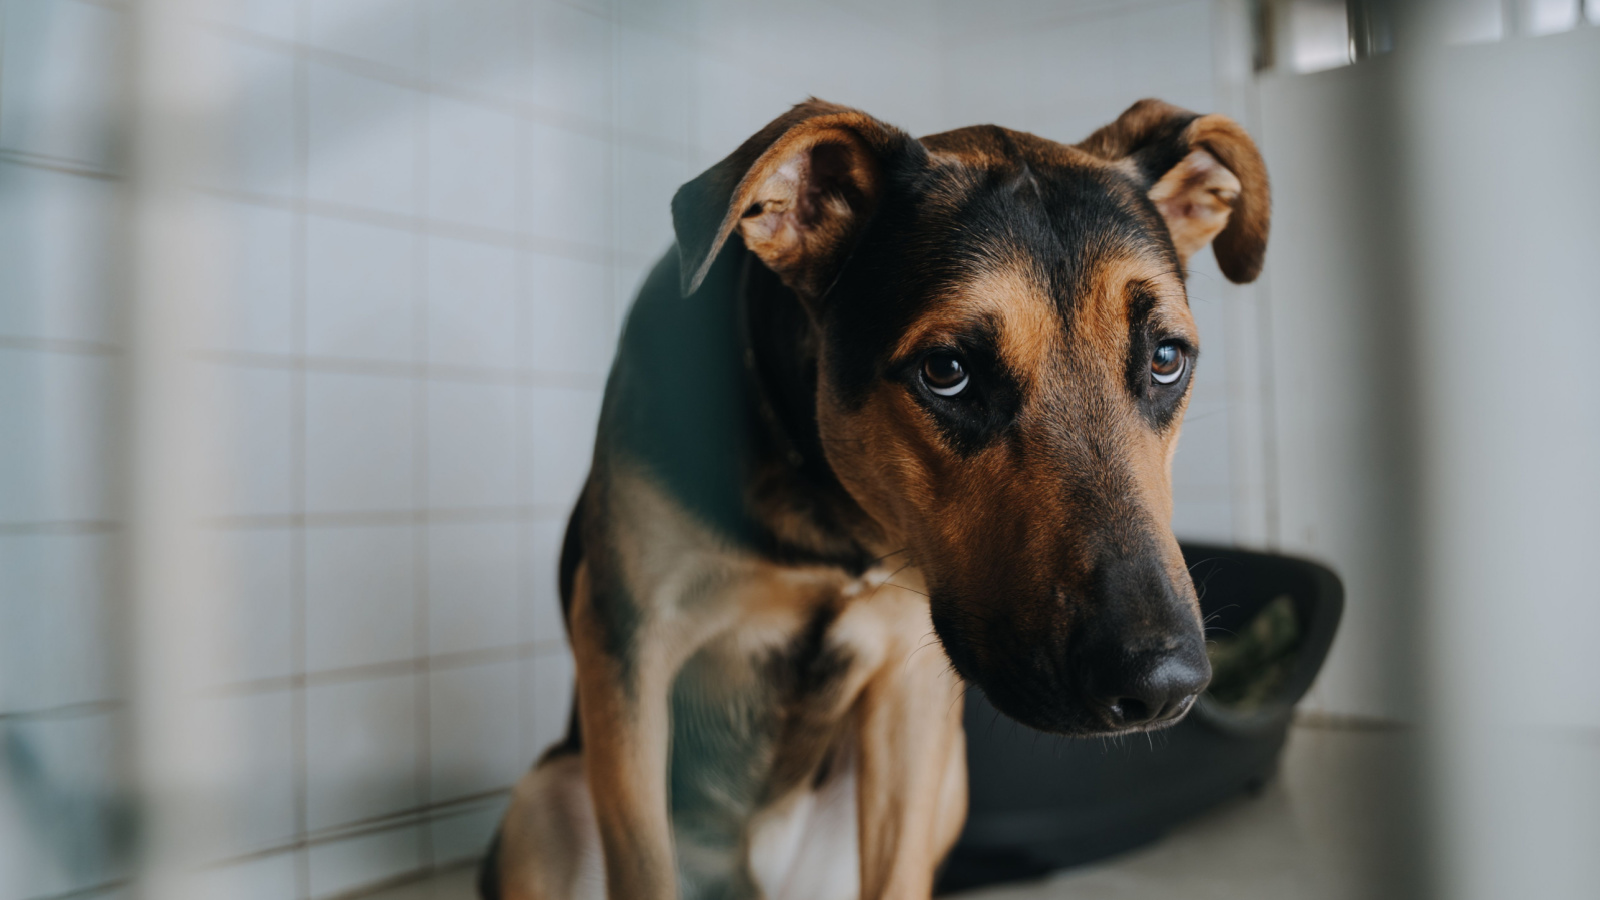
(380,31)
(259,316)
(567,67)
(472,303)
(472,160)
(56,248)
(360,595)
(258,642)
(474,45)
(361,750)
(363,140)
(57,595)
(472,445)
(473,718)
(259,132)
(55,459)
(565,183)
(341,866)
(435,215)
(567,321)
(59,78)
(360,290)
(472,586)
(358,446)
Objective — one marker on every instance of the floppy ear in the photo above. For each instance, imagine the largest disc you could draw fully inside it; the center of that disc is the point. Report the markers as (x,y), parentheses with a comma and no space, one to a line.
(1205,176)
(799,192)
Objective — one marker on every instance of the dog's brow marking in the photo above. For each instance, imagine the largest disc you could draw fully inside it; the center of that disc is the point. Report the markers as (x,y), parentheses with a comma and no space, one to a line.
(1030,329)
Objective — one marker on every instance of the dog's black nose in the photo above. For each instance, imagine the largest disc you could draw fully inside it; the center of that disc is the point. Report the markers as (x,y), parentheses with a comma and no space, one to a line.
(1147,688)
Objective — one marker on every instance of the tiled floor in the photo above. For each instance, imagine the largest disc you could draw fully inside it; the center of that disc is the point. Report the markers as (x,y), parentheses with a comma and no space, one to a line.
(1328,828)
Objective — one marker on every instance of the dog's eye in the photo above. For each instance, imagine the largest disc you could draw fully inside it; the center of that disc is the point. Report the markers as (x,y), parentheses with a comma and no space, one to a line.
(1168,362)
(944,374)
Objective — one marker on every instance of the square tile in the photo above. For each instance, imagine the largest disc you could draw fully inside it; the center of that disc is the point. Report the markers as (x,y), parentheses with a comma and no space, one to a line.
(380,31)
(472,444)
(540,606)
(255,758)
(360,290)
(565,185)
(569,60)
(567,319)
(652,86)
(271,877)
(361,751)
(472,164)
(268,18)
(60,822)
(465,836)
(472,586)
(256,309)
(646,182)
(360,596)
(60,69)
(679,19)
(559,441)
(342,868)
(359,435)
(58,248)
(254,421)
(474,726)
(256,600)
(363,142)
(258,125)
(56,447)
(475,44)
(56,647)
(472,297)
(547,697)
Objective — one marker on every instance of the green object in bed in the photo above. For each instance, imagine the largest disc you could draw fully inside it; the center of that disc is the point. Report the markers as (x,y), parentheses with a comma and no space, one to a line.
(1249,667)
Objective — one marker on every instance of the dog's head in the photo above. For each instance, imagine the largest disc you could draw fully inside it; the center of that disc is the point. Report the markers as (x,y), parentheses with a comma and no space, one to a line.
(1005,352)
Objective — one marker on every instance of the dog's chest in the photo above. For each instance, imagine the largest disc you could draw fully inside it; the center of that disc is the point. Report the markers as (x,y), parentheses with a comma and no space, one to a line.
(755,715)
(764,712)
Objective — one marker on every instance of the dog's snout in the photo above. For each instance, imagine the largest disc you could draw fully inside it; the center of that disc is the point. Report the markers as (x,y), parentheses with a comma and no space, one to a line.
(1149,688)
(1144,662)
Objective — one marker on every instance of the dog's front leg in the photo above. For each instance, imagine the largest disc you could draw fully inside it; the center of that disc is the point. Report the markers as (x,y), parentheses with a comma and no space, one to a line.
(623,683)
(912,776)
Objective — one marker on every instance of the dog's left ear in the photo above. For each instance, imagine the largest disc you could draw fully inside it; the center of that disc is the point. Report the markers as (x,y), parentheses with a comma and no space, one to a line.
(1205,176)
(799,192)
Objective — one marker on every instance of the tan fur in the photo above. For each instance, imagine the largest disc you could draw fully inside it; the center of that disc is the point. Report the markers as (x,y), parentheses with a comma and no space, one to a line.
(1196,198)
(881,624)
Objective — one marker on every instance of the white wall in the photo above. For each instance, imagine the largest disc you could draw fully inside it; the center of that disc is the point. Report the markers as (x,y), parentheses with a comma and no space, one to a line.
(432,215)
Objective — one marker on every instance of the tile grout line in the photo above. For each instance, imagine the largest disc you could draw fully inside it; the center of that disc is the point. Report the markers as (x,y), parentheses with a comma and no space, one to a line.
(298,485)
(461,659)
(421,487)
(522,312)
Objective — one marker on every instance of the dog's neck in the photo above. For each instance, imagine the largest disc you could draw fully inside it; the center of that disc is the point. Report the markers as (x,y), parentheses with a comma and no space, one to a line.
(794,490)
(713,397)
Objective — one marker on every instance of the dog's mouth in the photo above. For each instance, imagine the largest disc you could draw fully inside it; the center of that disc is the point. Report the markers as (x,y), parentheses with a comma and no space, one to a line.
(1076,716)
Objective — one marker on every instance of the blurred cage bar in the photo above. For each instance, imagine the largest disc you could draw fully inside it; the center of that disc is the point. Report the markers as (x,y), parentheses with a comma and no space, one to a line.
(306,306)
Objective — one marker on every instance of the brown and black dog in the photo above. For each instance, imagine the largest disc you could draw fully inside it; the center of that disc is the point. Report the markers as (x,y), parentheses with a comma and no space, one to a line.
(893,414)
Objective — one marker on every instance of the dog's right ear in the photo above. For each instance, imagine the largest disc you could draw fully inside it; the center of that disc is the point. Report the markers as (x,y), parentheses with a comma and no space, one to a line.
(1204,175)
(799,192)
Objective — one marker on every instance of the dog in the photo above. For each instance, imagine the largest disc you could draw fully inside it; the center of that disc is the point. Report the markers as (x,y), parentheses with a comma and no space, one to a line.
(893,416)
